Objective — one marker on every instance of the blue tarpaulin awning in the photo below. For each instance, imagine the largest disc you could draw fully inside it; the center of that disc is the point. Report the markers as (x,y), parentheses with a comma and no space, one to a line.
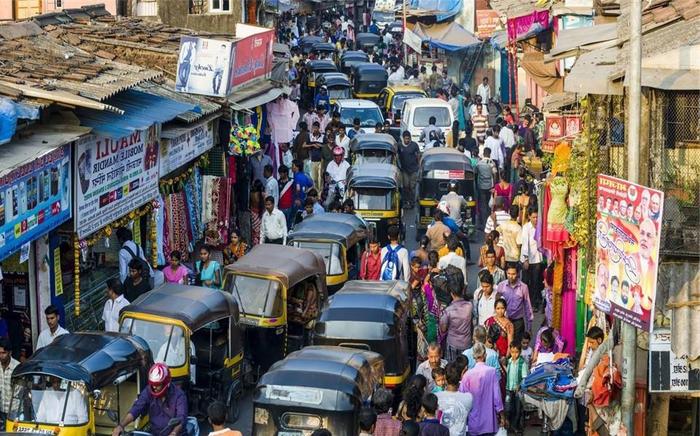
(447,36)
(141,110)
(443,9)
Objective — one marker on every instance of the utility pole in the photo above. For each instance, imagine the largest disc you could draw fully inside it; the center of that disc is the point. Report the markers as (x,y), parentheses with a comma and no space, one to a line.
(634,112)
(405,47)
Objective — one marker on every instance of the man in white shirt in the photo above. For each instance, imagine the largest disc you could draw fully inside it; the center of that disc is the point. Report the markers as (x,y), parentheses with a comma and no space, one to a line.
(531,259)
(454,405)
(456,203)
(7,365)
(272,188)
(172,352)
(402,265)
(484,90)
(274,224)
(506,135)
(114,304)
(48,335)
(494,144)
(395,77)
(501,217)
(343,140)
(338,168)
(452,258)
(53,404)
(485,298)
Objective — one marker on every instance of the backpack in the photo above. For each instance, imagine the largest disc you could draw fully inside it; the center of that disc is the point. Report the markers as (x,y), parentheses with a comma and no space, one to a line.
(450,278)
(145,267)
(391,267)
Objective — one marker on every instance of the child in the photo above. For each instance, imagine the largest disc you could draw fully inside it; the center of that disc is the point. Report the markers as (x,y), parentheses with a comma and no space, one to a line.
(418,273)
(526,349)
(439,378)
(515,373)
(431,423)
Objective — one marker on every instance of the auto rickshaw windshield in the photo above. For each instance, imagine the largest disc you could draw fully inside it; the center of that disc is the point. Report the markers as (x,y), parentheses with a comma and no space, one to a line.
(374,199)
(166,341)
(256,296)
(329,251)
(46,399)
(400,99)
(339,93)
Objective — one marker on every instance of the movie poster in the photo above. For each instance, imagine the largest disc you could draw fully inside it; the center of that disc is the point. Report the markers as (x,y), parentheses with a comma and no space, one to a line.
(627,250)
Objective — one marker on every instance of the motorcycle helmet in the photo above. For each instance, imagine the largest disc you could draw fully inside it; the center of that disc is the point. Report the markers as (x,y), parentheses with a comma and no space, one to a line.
(338,151)
(159,379)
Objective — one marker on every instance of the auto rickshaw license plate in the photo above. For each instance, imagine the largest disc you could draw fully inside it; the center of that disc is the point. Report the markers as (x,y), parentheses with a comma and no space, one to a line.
(289,433)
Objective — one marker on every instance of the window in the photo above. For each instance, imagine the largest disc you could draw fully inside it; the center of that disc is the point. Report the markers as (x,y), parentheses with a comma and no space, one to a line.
(329,251)
(49,400)
(422,115)
(167,342)
(374,199)
(256,296)
(219,6)
(369,117)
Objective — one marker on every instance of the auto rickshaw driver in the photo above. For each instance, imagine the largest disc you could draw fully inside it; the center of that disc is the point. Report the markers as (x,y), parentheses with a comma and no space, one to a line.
(172,352)
(162,401)
(301,306)
(52,404)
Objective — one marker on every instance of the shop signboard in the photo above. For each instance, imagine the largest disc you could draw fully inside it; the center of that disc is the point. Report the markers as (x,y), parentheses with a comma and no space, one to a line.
(668,372)
(411,39)
(554,127)
(114,176)
(34,198)
(252,54)
(627,250)
(179,146)
(203,66)
(487,21)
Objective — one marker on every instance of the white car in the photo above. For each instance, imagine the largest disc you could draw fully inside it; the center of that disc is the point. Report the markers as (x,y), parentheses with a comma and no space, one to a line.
(417,112)
(367,111)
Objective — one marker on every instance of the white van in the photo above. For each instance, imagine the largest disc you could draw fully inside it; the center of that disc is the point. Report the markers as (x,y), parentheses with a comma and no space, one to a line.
(417,111)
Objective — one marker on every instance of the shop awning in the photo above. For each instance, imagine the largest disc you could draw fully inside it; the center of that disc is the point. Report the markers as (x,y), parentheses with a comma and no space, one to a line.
(255,94)
(545,75)
(670,79)
(441,9)
(557,101)
(447,36)
(571,40)
(35,142)
(203,105)
(141,110)
(590,74)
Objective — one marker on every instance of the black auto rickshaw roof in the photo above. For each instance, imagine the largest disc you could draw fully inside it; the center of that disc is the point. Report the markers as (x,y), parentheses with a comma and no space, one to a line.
(334,79)
(319,65)
(367,38)
(445,158)
(286,264)
(306,42)
(321,229)
(325,47)
(347,355)
(94,358)
(193,305)
(370,70)
(374,141)
(373,308)
(397,289)
(318,374)
(373,175)
(352,55)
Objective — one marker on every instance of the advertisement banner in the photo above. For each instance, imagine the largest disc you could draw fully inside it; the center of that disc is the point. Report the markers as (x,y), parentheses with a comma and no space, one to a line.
(114,176)
(487,21)
(178,147)
(203,66)
(34,199)
(668,372)
(627,250)
(252,56)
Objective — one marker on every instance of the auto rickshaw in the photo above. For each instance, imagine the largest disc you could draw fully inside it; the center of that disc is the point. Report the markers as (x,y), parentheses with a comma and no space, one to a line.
(318,67)
(370,315)
(350,58)
(321,388)
(368,80)
(392,98)
(279,290)
(306,43)
(339,238)
(374,148)
(365,41)
(337,84)
(324,48)
(195,331)
(374,188)
(79,384)
(356,358)
(440,165)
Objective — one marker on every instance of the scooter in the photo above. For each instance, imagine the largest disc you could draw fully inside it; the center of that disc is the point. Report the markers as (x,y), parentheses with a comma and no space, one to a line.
(191,428)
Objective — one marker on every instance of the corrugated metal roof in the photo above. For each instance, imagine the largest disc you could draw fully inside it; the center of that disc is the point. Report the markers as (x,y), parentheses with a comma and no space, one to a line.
(204,106)
(678,292)
(141,110)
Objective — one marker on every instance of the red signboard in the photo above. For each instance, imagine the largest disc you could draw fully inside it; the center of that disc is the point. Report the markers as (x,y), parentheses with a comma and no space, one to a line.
(252,57)
(487,21)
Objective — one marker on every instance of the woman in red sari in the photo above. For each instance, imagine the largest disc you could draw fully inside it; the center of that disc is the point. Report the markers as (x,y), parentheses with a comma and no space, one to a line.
(505,327)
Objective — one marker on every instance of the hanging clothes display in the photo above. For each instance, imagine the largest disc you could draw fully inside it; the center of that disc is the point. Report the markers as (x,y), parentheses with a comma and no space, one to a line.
(555,231)
(216,199)
(568,300)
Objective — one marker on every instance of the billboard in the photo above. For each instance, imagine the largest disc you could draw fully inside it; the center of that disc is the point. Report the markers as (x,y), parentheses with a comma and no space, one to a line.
(179,146)
(204,66)
(114,176)
(252,54)
(627,250)
(487,22)
(34,199)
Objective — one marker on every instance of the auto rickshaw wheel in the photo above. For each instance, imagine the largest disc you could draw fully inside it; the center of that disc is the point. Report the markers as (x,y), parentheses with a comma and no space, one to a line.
(233,401)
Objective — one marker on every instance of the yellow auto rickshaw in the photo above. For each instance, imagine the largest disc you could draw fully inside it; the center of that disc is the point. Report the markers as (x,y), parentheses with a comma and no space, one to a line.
(195,331)
(279,290)
(374,188)
(392,98)
(368,79)
(339,238)
(78,384)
